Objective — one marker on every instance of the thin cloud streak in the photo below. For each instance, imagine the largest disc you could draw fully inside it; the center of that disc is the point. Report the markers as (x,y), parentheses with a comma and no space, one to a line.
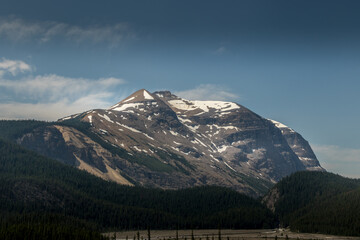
(208,92)
(344,161)
(51,111)
(53,87)
(16,29)
(221,50)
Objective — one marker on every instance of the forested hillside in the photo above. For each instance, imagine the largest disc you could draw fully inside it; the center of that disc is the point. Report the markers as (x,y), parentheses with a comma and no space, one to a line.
(36,186)
(317,202)
(339,215)
(12,129)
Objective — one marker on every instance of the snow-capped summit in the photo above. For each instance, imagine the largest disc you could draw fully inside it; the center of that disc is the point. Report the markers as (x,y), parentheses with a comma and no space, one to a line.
(196,107)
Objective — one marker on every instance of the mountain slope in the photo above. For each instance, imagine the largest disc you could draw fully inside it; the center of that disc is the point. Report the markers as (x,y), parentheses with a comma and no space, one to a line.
(161,140)
(300,147)
(32,185)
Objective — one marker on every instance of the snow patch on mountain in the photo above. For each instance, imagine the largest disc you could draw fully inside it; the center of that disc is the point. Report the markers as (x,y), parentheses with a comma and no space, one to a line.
(106,117)
(280,125)
(229,167)
(147,95)
(223,127)
(173,133)
(128,100)
(222,148)
(127,127)
(127,105)
(205,106)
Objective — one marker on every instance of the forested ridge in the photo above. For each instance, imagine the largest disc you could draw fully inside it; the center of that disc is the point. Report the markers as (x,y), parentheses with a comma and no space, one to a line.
(44,226)
(32,185)
(12,129)
(319,202)
(339,215)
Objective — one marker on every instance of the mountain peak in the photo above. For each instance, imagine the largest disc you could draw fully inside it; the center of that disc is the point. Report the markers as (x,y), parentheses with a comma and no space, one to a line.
(141,95)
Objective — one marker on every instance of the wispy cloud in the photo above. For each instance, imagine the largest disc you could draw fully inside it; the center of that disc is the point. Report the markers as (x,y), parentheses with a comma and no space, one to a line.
(344,161)
(52,87)
(208,92)
(221,50)
(13,67)
(16,29)
(49,97)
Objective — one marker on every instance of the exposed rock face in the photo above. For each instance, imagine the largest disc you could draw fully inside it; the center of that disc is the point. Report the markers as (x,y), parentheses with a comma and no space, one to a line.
(74,148)
(271,198)
(300,147)
(162,140)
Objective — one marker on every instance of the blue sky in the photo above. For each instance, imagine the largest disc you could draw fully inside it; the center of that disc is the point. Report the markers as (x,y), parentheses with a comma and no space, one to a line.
(293,61)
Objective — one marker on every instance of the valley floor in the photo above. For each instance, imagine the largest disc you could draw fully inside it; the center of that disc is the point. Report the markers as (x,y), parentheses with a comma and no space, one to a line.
(212,234)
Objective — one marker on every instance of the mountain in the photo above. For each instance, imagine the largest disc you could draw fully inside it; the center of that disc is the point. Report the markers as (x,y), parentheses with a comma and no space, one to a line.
(300,147)
(317,202)
(40,196)
(37,191)
(161,140)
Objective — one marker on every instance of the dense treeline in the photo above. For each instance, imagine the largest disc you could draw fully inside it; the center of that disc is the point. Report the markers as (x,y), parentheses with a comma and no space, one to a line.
(32,184)
(319,202)
(13,129)
(339,215)
(42,226)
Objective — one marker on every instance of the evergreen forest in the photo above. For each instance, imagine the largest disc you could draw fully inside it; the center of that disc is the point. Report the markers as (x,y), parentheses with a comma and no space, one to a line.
(34,188)
(319,202)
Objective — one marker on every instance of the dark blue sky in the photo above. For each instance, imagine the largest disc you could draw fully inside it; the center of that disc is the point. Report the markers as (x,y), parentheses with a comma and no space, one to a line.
(293,61)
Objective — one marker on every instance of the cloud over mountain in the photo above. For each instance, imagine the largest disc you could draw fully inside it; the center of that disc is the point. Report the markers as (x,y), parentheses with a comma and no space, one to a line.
(50,96)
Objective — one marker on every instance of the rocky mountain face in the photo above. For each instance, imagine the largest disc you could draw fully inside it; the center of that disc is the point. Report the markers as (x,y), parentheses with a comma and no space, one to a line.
(300,147)
(160,140)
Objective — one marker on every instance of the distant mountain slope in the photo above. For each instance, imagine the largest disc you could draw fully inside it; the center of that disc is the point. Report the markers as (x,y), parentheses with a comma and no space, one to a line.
(300,147)
(32,185)
(317,202)
(161,140)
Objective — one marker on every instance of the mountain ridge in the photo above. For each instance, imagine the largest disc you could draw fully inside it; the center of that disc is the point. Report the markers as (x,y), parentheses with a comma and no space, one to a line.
(37,188)
(161,140)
